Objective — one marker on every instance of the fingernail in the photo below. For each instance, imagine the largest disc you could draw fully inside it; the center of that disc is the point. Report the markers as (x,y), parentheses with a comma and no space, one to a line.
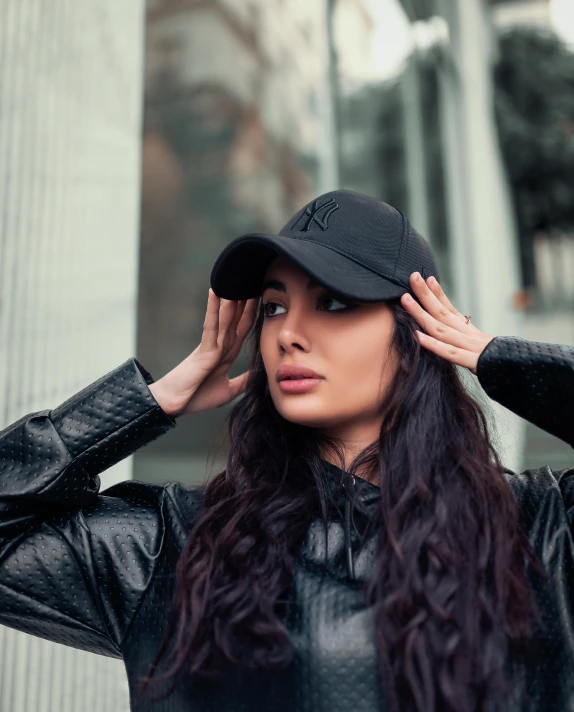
(417,276)
(407,297)
(432,280)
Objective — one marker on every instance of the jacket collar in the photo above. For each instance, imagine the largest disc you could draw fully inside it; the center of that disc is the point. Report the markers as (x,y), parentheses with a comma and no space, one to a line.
(358,502)
(365,491)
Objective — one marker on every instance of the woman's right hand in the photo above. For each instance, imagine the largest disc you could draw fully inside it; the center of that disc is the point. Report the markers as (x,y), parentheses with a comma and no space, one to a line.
(201,381)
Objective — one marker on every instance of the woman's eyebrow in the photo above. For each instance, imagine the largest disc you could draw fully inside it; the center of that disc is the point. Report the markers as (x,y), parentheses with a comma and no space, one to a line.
(280,286)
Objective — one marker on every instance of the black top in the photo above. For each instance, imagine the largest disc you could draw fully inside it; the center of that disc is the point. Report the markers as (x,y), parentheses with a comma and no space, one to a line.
(95,571)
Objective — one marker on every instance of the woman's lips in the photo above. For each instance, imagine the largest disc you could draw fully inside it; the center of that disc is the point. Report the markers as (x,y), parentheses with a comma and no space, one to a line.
(298,385)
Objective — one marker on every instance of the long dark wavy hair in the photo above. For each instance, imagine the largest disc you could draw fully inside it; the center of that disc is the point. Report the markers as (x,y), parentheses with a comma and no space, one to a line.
(450,586)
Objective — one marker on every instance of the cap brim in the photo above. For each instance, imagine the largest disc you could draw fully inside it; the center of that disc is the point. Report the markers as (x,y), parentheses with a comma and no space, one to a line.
(240,268)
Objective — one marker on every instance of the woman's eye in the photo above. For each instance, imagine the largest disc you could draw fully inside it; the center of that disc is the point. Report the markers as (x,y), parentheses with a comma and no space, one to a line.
(268,306)
(330,300)
(325,302)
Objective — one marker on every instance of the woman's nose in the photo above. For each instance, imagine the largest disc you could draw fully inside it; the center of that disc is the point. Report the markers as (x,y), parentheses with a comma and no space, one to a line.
(292,336)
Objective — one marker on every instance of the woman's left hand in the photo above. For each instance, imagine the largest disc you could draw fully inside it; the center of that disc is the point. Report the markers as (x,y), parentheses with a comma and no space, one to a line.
(447,334)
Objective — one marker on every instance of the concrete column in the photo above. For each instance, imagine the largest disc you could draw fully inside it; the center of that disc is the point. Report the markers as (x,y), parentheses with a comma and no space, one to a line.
(329,101)
(70,114)
(484,246)
(414,147)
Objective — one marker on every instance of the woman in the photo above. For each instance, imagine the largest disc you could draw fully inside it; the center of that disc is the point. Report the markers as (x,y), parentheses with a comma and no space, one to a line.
(364,548)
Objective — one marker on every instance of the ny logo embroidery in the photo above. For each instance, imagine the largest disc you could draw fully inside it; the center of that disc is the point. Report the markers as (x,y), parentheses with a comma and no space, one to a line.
(318,213)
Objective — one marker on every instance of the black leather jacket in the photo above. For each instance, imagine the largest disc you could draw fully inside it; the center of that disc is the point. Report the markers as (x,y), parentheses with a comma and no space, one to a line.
(95,571)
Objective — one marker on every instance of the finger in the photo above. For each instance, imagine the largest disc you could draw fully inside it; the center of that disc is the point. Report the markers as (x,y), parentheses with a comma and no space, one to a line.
(248,317)
(227,311)
(237,337)
(430,302)
(451,353)
(438,329)
(438,291)
(230,337)
(211,322)
(237,316)
(239,331)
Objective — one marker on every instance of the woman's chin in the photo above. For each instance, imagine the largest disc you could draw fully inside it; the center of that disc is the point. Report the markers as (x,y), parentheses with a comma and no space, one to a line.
(306,414)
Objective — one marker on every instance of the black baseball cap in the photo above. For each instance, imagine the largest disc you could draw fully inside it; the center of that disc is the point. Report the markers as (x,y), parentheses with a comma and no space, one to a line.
(356,246)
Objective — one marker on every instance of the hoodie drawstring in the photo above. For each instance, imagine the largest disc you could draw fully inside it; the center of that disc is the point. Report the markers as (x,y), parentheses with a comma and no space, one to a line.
(348,542)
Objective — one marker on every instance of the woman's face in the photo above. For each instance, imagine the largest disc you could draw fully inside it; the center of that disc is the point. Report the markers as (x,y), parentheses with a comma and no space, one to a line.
(345,343)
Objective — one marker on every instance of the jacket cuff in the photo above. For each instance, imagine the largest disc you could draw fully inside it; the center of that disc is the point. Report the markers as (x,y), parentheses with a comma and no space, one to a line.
(534,380)
(112,417)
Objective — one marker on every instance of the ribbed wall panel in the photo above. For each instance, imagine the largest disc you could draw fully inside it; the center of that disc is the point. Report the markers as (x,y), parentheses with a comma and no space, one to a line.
(70,116)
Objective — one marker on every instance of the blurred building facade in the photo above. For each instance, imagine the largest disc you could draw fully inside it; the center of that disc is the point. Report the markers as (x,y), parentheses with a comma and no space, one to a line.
(253,108)
(250,109)
(70,118)
(536,43)
(507,13)
(551,272)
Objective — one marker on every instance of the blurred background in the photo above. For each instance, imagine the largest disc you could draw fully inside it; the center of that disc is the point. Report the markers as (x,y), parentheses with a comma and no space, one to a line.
(137,140)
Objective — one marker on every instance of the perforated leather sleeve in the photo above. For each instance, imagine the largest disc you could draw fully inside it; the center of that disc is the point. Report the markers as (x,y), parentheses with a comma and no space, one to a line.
(532,379)
(74,563)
